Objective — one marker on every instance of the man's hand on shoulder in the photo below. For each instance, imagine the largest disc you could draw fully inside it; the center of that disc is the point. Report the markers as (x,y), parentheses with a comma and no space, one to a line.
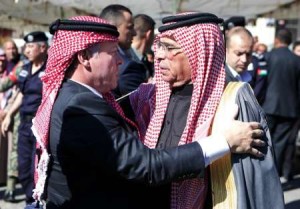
(243,137)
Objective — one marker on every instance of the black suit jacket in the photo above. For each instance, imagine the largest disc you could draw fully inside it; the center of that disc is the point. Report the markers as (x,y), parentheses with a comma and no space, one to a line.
(228,75)
(283,92)
(97,160)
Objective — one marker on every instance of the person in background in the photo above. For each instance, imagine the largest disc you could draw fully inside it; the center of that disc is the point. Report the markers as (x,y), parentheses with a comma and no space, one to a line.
(258,70)
(28,78)
(234,21)
(3,62)
(296,48)
(7,97)
(239,43)
(261,49)
(11,53)
(132,71)
(142,42)
(282,102)
(242,65)
(3,141)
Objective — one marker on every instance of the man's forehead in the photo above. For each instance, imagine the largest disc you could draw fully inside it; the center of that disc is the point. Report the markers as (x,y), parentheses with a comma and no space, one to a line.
(9,44)
(168,40)
(240,40)
(32,44)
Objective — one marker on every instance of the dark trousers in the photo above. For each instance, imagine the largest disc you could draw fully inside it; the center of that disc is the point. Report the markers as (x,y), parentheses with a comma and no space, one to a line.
(26,156)
(283,138)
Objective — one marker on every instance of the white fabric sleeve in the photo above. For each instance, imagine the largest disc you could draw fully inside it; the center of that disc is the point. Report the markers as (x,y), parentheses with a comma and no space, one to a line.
(213,148)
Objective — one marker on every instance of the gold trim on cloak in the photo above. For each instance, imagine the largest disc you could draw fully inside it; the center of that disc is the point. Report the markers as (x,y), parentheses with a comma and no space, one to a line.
(224,193)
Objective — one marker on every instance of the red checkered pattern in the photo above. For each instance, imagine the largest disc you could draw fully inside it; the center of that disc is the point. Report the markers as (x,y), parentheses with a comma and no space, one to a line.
(203,44)
(61,54)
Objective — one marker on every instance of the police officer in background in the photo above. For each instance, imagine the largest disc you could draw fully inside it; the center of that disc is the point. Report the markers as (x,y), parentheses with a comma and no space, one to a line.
(27,102)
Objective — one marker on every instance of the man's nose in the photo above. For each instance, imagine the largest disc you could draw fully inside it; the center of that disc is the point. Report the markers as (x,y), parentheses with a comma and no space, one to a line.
(160,54)
(243,58)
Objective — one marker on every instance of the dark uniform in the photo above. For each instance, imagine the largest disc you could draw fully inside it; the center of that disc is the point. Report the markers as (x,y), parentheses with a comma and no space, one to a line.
(31,88)
(259,75)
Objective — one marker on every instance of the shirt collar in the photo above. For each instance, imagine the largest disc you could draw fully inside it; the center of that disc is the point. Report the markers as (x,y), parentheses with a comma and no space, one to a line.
(185,90)
(90,88)
(234,73)
(137,53)
(245,76)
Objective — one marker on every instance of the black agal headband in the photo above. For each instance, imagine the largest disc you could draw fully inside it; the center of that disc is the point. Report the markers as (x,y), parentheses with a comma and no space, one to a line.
(187,20)
(76,25)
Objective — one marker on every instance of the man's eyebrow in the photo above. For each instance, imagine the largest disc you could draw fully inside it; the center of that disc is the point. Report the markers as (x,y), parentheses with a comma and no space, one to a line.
(166,43)
(240,51)
(169,44)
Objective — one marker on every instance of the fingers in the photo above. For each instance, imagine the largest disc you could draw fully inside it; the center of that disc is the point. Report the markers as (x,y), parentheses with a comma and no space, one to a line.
(255,125)
(258,143)
(257,134)
(245,137)
(255,152)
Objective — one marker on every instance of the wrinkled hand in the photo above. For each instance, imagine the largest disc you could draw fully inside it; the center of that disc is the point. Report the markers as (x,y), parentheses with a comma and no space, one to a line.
(5,124)
(243,137)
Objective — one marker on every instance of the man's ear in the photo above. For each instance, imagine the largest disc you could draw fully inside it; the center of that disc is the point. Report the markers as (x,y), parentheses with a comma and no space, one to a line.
(148,34)
(43,47)
(83,58)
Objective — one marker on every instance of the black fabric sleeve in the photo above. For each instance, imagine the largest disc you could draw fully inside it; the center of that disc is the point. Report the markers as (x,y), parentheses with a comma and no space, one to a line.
(94,132)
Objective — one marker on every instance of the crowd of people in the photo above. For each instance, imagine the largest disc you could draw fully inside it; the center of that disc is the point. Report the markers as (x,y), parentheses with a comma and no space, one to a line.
(113,116)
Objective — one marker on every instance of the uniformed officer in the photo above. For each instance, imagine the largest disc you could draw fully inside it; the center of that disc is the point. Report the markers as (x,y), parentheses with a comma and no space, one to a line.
(27,102)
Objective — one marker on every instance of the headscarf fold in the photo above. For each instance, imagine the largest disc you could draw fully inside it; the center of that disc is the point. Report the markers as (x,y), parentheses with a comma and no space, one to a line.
(66,43)
(203,44)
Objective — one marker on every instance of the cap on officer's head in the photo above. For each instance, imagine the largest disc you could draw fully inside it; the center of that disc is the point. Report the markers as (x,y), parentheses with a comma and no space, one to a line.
(234,22)
(36,36)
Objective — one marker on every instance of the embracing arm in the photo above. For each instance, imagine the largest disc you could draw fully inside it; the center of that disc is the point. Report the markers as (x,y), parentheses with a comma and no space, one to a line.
(101,134)
(105,138)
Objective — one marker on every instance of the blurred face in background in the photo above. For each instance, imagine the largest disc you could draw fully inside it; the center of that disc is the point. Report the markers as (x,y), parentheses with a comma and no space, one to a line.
(261,49)
(297,50)
(10,50)
(34,51)
(126,30)
(2,63)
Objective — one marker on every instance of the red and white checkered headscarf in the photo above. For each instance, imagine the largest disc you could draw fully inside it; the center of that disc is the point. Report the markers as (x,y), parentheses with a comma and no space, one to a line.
(203,44)
(65,45)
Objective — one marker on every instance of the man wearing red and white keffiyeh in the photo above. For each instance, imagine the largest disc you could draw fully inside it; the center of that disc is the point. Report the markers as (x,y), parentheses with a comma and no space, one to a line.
(66,43)
(188,83)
